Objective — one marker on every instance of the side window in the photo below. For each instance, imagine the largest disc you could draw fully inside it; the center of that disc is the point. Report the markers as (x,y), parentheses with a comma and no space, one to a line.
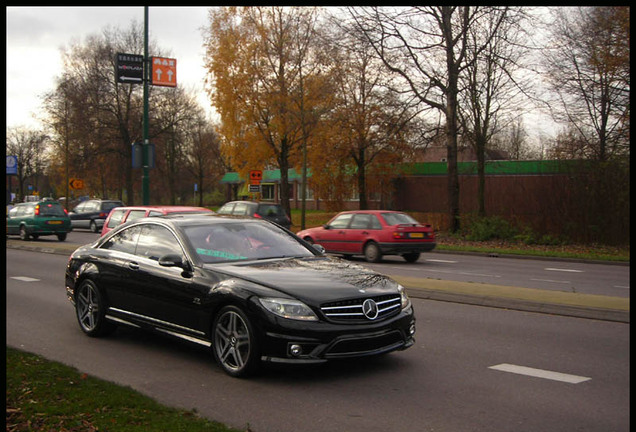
(115,218)
(124,241)
(240,209)
(14,212)
(155,213)
(341,221)
(375,223)
(226,209)
(80,207)
(156,241)
(360,221)
(135,214)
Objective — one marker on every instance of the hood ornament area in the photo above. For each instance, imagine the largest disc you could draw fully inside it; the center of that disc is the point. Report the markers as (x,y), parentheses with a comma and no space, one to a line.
(370,309)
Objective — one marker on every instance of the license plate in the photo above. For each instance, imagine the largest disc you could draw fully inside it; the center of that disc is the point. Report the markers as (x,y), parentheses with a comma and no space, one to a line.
(55,222)
(416,235)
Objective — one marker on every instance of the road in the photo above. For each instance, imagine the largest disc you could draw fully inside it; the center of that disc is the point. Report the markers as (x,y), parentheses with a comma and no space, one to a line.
(467,371)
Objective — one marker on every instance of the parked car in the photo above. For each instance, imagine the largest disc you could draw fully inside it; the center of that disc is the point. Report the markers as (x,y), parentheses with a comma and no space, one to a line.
(35,219)
(373,233)
(269,211)
(92,213)
(249,289)
(120,215)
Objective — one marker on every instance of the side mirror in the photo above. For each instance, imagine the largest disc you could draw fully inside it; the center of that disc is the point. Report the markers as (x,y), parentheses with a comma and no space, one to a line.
(174,261)
(325,226)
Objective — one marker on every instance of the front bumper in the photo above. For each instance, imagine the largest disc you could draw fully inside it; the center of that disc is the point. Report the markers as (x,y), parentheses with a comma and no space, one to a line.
(288,341)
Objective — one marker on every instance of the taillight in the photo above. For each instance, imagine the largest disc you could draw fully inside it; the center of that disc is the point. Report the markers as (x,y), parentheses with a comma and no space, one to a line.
(398,235)
(66,212)
(103,215)
(37,210)
(256,215)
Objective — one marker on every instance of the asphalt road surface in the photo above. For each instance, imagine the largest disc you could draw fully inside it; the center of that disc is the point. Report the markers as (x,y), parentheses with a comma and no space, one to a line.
(471,369)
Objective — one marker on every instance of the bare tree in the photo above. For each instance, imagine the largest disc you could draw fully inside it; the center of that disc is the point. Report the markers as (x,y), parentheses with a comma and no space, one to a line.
(589,73)
(491,85)
(29,146)
(427,47)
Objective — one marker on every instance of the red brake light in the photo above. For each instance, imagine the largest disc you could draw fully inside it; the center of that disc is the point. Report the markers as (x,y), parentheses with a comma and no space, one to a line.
(398,235)
(256,215)
(66,212)
(37,210)
(103,215)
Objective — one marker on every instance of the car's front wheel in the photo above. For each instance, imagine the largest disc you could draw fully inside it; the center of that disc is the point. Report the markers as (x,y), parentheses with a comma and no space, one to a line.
(90,308)
(372,252)
(234,345)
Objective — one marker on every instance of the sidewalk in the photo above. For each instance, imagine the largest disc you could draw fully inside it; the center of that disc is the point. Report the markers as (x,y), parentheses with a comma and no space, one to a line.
(508,297)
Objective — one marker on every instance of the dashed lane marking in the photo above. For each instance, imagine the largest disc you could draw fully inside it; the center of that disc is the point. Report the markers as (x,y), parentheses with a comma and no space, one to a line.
(25,278)
(540,373)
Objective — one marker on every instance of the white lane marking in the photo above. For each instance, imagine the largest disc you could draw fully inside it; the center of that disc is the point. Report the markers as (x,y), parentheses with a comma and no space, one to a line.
(563,270)
(550,280)
(25,278)
(441,261)
(621,286)
(540,373)
(462,273)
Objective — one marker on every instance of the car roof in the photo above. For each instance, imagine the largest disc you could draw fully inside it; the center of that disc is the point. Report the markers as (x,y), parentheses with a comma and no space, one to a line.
(166,208)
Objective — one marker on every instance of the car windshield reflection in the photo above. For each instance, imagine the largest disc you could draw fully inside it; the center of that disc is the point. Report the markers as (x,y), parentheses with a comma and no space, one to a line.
(239,242)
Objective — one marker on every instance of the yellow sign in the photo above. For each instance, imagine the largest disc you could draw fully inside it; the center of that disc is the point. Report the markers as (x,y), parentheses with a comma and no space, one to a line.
(76,184)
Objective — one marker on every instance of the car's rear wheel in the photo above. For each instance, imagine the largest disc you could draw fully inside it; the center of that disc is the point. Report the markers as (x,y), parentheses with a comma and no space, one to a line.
(90,308)
(234,345)
(372,252)
(93,226)
(24,235)
(411,257)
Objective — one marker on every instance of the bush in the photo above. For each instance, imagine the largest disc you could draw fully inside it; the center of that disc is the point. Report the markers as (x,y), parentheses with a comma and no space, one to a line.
(488,228)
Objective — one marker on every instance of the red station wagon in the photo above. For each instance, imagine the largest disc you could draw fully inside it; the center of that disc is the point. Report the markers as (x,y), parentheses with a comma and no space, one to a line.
(373,233)
(121,215)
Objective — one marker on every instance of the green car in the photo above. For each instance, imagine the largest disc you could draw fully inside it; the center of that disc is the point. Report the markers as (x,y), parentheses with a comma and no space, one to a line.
(34,219)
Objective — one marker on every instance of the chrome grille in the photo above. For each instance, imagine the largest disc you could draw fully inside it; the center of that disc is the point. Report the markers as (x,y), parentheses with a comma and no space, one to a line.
(352,310)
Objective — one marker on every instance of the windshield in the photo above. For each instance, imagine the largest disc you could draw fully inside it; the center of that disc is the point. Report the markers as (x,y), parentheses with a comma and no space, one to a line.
(243,241)
(398,218)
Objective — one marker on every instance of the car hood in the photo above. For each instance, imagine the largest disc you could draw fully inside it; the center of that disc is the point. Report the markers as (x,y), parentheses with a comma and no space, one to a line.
(313,280)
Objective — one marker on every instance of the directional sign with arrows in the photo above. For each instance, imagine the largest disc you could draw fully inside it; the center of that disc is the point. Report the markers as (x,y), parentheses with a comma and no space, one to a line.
(129,68)
(164,72)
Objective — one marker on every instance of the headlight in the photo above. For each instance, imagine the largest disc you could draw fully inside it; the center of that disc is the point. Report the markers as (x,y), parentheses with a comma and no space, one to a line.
(288,308)
(404,299)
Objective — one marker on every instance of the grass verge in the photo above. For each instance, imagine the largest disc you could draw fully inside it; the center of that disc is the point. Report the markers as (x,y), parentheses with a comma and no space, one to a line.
(42,395)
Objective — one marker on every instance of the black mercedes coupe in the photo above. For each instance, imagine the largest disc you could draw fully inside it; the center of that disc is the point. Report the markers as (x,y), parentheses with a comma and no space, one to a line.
(247,288)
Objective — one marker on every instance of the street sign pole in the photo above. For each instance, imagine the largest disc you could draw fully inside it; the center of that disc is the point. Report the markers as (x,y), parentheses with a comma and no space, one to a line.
(145,179)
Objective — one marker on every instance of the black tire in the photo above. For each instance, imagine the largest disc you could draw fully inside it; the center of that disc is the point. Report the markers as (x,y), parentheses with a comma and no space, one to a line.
(93,226)
(234,342)
(411,257)
(90,309)
(372,252)
(61,237)
(24,235)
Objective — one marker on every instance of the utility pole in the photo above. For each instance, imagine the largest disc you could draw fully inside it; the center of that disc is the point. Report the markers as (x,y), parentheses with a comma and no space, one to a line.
(145,181)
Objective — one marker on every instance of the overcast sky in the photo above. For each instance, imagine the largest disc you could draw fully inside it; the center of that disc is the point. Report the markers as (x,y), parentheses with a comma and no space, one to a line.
(36,36)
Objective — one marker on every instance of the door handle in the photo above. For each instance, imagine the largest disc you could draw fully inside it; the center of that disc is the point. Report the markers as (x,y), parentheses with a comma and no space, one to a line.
(365,232)
(133,265)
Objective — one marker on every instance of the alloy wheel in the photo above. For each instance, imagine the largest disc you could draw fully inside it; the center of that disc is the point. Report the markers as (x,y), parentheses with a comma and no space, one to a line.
(233,342)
